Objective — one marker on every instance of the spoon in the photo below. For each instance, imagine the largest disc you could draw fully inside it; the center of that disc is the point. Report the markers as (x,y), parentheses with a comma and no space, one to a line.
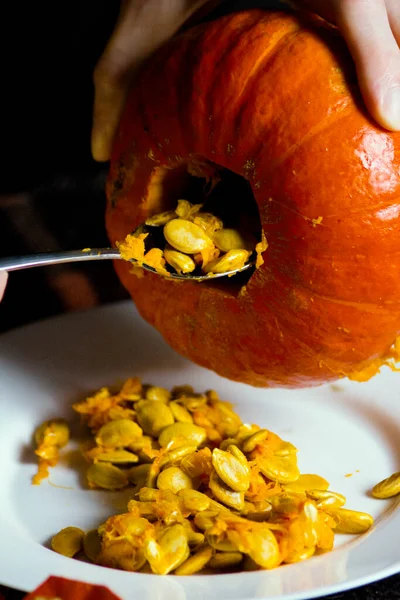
(16,263)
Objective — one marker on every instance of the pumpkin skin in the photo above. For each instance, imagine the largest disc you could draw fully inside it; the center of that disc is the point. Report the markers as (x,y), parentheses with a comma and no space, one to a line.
(272,97)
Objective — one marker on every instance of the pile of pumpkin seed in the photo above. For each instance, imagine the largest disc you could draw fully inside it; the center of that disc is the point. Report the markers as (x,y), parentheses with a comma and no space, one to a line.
(209,493)
(193,240)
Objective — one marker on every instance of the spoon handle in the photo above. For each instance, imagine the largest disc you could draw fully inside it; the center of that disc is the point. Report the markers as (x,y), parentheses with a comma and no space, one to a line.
(15,263)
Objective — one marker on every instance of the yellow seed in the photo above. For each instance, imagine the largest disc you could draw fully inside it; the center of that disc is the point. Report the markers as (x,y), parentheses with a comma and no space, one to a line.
(228,239)
(205,519)
(234,450)
(223,545)
(182,263)
(92,545)
(259,511)
(254,440)
(326,498)
(153,417)
(182,390)
(195,563)
(174,479)
(68,541)
(387,488)
(174,456)
(56,432)
(223,560)
(234,473)
(225,494)
(194,501)
(161,218)
(232,260)
(299,556)
(147,494)
(186,209)
(262,548)
(180,434)
(117,457)
(207,221)
(307,482)
(167,553)
(119,433)
(138,473)
(180,413)
(106,476)
(350,521)
(279,469)
(158,394)
(286,449)
(186,236)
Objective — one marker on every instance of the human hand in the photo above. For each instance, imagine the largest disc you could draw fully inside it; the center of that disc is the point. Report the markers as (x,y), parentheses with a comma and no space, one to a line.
(371,29)
(142,27)
(3,283)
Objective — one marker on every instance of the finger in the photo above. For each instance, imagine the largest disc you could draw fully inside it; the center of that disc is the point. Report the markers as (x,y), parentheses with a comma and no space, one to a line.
(393,9)
(3,283)
(366,28)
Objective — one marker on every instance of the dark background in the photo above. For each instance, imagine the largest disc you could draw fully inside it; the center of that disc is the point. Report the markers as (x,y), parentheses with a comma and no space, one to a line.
(51,191)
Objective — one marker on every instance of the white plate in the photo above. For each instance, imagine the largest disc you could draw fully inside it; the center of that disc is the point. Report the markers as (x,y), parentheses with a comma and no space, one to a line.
(351,428)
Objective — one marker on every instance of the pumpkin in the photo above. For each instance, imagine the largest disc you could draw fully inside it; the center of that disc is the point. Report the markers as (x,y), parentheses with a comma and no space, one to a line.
(272,98)
(59,588)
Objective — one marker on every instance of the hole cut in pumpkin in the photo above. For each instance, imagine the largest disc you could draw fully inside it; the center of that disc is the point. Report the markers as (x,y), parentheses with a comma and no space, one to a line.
(221,192)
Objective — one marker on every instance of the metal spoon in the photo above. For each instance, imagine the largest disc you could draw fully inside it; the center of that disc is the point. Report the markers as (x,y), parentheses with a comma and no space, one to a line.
(16,263)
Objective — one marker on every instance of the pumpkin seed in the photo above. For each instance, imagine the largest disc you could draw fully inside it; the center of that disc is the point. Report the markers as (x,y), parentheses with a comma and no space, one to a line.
(92,545)
(167,553)
(326,498)
(106,476)
(307,482)
(160,219)
(195,563)
(254,440)
(180,434)
(205,519)
(225,494)
(186,236)
(158,394)
(193,500)
(223,545)
(180,413)
(228,239)
(232,260)
(153,417)
(68,541)
(138,474)
(262,548)
(259,511)
(185,209)
(236,452)
(223,560)
(117,457)
(56,432)
(279,469)
(231,470)
(119,433)
(194,537)
(350,521)
(173,479)
(299,556)
(174,456)
(207,221)
(387,488)
(182,263)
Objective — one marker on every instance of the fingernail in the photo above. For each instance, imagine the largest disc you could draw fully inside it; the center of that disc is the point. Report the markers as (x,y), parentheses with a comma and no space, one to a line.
(391,109)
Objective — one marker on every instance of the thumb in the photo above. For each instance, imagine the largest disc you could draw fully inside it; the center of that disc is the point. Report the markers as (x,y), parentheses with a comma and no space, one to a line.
(3,283)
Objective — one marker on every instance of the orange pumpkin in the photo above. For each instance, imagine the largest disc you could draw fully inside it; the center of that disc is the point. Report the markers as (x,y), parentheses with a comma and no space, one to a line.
(59,588)
(273,98)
